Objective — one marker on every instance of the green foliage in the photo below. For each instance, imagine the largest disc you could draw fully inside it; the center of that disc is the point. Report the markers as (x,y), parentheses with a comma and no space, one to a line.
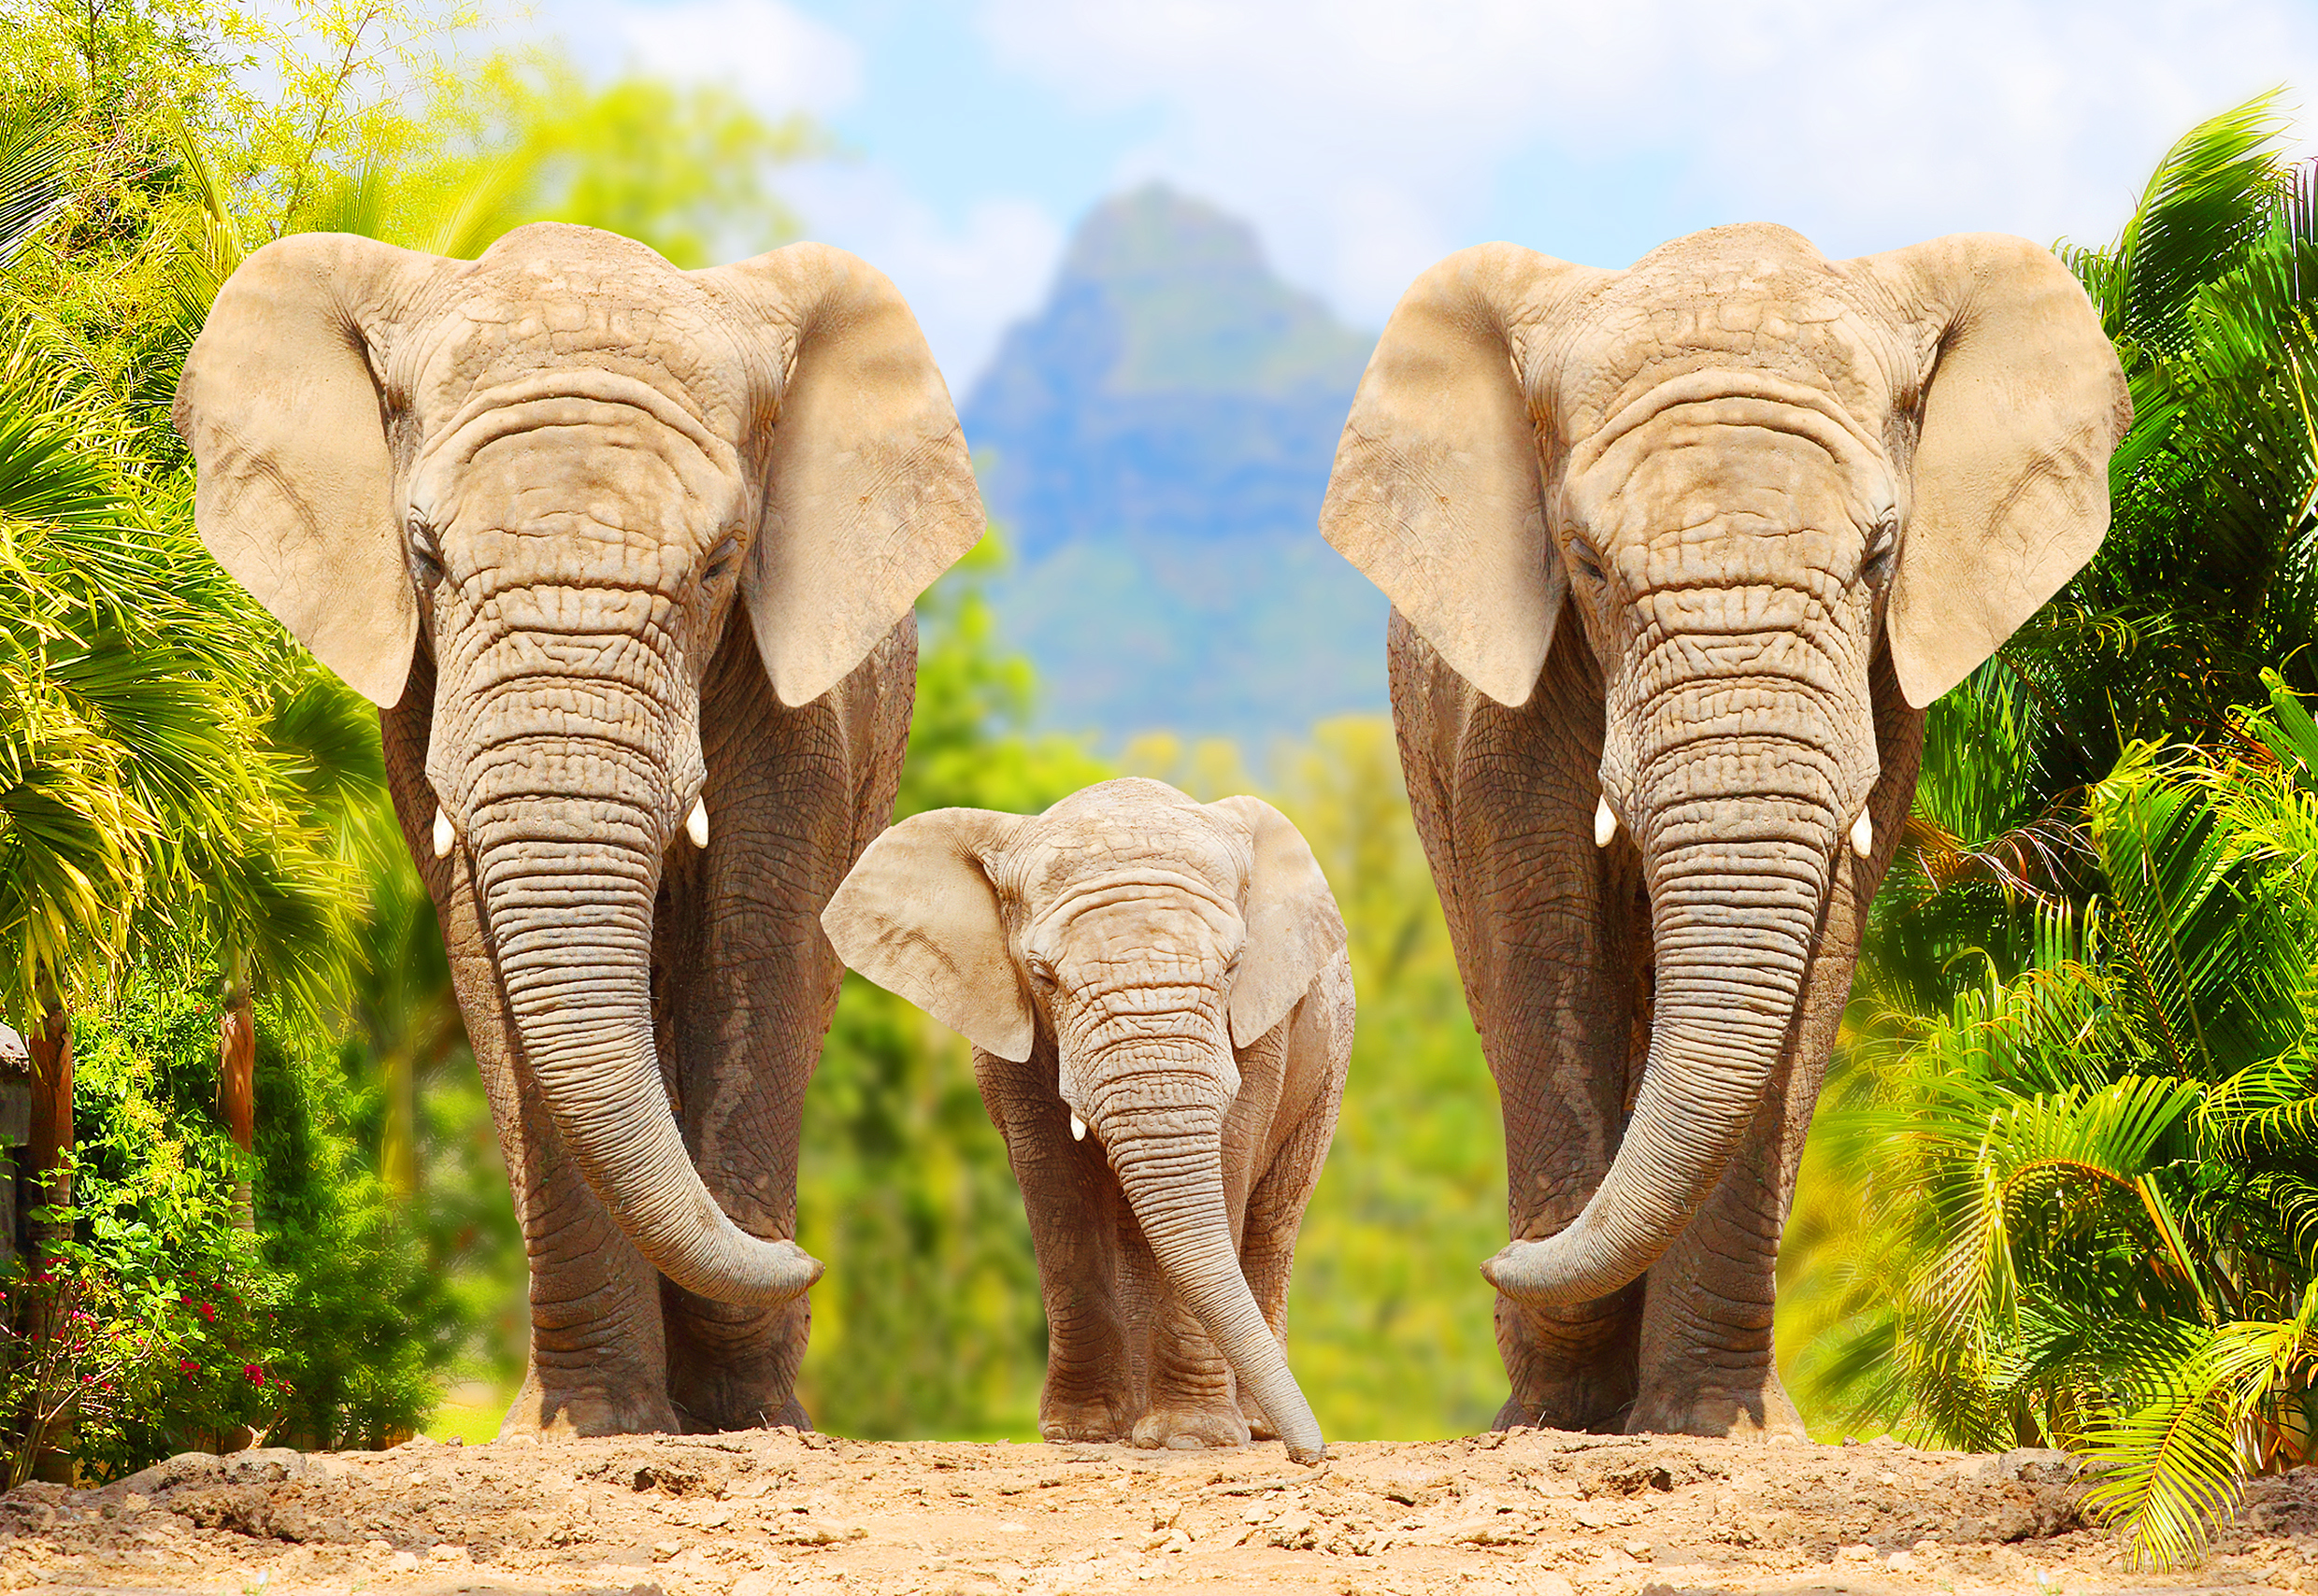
(1391,1324)
(2090,1187)
(2207,576)
(2071,1093)
(970,744)
(155,1323)
(362,1322)
(685,170)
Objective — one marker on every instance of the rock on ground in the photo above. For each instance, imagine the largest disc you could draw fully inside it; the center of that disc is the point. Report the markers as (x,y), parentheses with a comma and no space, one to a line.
(1540,1512)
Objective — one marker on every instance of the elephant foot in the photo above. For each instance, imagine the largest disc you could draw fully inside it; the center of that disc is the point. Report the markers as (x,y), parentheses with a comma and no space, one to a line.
(789,1415)
(1189,1428)
(1570,1369)
(1758,1413)
(567,1413)
(1080,1418)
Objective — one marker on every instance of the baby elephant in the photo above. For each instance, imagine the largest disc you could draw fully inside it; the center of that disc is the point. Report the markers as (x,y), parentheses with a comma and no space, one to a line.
(1161,1010)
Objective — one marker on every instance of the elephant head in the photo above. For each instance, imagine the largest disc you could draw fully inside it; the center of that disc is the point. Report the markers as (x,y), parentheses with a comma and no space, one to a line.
(1745,472)
(560,470)
(1148,939)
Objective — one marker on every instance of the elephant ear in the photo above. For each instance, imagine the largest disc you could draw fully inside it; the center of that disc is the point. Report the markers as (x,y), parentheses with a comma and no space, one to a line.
(280,403)
(1294,929)
(1436,492)
(919,917)
(2023,403)
(869,492)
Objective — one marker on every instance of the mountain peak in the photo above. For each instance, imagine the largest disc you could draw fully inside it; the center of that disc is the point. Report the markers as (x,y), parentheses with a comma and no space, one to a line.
(1159,291)
(1157,440)
(1158,233)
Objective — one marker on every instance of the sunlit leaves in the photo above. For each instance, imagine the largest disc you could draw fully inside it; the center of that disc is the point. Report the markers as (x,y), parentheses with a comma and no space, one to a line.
(2098,1177)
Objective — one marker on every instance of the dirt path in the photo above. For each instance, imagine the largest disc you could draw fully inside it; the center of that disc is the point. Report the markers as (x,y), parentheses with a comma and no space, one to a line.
(1537,1512)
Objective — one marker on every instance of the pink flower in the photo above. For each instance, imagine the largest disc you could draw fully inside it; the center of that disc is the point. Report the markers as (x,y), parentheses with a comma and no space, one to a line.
(208,1312)
(187,1366)
(257,1376)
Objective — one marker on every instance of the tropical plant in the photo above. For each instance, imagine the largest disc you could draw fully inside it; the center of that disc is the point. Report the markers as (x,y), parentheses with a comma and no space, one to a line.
(2092,1187)
(2009,947)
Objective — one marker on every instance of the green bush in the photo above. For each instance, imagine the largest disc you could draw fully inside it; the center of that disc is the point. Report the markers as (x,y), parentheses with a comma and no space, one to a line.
(157,1321)
(326,1327)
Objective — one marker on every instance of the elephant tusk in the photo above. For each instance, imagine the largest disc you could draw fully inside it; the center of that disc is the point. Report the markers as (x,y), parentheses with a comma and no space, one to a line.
(1863,835)
(444,835)
(1605,823)
(1078,1129)
(696,823)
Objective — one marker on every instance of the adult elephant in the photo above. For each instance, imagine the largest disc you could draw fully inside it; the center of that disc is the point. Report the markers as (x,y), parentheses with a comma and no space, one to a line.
(626,555)
(1677,557)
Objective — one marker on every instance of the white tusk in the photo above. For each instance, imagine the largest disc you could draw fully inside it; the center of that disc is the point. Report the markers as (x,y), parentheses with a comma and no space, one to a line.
(444,835)
(696,823)
(1605,823)
(1078,1129)
(1863,835)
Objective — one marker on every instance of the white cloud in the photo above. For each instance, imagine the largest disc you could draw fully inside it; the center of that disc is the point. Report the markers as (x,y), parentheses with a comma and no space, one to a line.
(781,58)
(965,280)
(1367,135)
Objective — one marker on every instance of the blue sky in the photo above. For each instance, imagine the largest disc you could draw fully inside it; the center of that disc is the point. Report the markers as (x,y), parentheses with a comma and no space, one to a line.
(1364,139)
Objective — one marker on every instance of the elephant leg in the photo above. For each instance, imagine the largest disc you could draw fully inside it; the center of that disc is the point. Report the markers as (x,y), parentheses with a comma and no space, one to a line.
(750,982)
(1552,937)
(1193,1399)
(1321,1043)
(1092,1389)
(596,1364)
(1708,1362)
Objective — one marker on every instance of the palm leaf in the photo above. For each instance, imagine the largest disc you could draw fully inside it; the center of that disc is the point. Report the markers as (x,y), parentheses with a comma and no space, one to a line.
(2205,205)
(33,186)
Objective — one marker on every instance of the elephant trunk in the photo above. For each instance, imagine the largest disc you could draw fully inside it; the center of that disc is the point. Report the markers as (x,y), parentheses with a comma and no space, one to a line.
(1168,1157)
(1739,837)
(567,885)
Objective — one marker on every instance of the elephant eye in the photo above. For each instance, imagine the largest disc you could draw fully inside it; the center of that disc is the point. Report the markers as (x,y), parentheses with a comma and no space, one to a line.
(1581,554)
(1040,971)
(426,550)
(1882,543)
(721,560)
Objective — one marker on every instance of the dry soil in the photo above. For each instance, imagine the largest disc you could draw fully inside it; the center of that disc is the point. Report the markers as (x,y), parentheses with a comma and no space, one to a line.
(1533,1511)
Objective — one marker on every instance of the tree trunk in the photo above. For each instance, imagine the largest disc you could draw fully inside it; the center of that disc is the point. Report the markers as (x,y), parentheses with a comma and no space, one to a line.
(238,1062)
(47,1156)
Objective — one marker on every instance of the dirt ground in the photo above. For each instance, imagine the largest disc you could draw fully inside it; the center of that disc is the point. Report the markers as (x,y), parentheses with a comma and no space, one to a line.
(1535,1511)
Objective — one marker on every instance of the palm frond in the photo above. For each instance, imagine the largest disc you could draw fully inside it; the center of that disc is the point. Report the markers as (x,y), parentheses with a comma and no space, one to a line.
(2204,207)
(33,185)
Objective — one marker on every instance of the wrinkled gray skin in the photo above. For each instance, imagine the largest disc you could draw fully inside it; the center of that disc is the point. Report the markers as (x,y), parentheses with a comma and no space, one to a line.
(626,556)
(1173,976)
(1680,552)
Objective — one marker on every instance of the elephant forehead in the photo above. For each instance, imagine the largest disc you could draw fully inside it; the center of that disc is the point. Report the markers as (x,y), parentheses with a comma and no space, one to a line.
(1682,311)
(1155,923)
(1089,857)
(1125,822)
(538,318)
(618,485)
(1683,485)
